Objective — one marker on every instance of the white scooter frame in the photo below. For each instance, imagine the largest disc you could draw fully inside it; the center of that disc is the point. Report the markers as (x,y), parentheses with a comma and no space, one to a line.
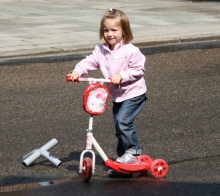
(89,142)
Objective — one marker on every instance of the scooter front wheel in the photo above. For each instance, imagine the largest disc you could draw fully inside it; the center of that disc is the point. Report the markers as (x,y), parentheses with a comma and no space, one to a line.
(159,168)
(87,168)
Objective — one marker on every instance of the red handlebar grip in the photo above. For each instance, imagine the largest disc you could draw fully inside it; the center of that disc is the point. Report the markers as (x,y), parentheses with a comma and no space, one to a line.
(68,79)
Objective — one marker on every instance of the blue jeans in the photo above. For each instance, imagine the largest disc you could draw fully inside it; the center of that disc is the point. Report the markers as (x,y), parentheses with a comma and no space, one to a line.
(124,115)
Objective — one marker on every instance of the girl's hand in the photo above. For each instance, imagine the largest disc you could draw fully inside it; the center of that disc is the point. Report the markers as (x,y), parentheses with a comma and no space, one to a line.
(116,79)
(73,76)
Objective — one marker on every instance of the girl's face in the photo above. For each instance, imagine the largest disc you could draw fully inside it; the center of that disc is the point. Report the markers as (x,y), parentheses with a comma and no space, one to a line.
(112,33)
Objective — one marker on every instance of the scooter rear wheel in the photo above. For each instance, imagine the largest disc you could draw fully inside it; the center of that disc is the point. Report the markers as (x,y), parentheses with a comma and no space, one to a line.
(87,168)
(159,168)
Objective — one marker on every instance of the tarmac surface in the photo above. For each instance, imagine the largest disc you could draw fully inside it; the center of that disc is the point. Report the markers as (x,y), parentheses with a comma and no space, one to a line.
(179,123)
(58,27)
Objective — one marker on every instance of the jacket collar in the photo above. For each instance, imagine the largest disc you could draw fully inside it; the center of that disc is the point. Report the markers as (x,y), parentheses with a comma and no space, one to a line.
(117,46)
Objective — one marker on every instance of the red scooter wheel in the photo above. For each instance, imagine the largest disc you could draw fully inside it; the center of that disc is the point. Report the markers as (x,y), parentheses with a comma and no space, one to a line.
(159,168)
(87,168)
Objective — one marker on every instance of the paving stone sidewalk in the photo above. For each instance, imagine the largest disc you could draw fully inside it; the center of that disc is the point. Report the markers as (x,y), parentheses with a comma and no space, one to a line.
(39,27)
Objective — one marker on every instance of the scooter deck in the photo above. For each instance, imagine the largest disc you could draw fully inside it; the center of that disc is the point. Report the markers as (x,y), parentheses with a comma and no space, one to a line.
(128,168)
(133,167)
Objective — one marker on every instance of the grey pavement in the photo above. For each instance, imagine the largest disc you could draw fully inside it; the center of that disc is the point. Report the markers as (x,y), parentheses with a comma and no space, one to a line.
(30,28)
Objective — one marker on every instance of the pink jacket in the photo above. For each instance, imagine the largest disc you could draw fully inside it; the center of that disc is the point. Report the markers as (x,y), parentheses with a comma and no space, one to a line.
(127,60)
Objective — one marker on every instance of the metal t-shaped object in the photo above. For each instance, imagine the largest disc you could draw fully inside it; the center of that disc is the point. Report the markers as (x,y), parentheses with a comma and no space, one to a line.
(43,151)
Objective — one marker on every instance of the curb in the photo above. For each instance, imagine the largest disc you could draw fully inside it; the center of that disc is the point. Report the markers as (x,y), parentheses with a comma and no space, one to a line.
(147,48)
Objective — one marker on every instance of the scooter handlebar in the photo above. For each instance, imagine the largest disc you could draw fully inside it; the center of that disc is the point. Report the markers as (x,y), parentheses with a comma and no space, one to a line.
(68,79)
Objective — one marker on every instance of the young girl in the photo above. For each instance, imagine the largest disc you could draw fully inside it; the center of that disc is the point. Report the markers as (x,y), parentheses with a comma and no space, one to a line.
(121,61)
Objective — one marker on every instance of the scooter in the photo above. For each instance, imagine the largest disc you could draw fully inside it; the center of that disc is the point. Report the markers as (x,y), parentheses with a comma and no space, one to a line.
(94,102)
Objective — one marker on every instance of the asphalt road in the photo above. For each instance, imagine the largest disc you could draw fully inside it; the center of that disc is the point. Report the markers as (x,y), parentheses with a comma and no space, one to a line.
(180,124)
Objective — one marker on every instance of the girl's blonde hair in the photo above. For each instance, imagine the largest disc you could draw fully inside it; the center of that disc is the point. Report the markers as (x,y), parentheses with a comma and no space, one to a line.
(121,20)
